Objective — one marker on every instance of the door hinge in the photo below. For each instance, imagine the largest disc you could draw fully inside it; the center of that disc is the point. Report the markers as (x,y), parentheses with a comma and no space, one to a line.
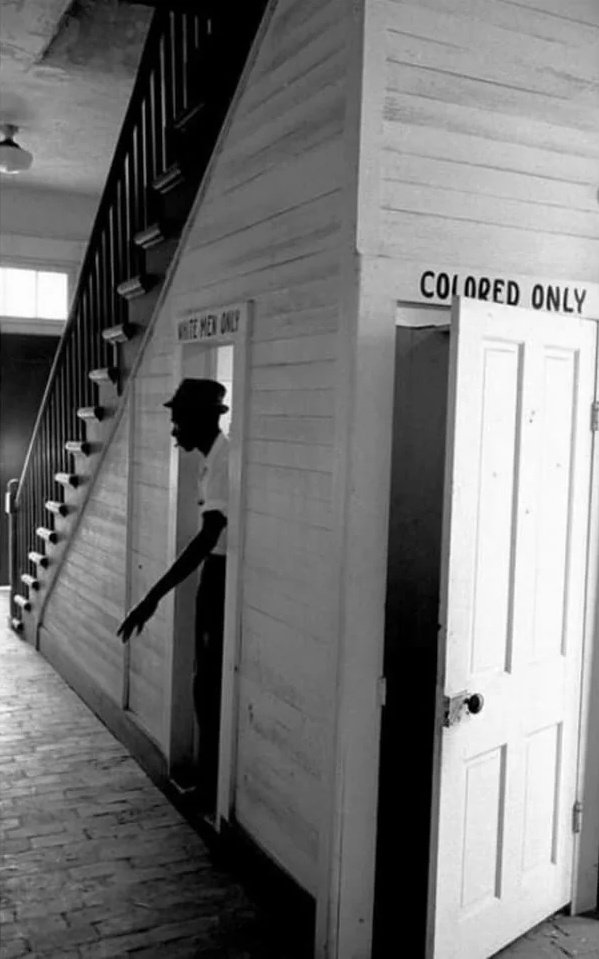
(595,416)
(577,817)
(381,691)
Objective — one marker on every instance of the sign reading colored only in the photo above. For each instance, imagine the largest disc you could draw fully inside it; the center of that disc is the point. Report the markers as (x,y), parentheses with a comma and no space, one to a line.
(577,299)
(223,323)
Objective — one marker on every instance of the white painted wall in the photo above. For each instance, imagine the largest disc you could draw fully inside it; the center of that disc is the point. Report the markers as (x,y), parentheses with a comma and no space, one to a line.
(44,227)
(267,229)
(479,149)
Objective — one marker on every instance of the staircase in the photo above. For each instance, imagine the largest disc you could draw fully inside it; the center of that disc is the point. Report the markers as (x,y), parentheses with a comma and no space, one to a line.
(189,70)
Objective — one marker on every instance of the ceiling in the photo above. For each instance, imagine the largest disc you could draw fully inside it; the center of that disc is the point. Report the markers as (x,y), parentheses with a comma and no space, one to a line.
(66,72)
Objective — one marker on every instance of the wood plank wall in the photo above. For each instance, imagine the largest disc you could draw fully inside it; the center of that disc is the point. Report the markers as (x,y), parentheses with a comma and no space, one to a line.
(491,135)
(149,518)
(267,229)
(87,603)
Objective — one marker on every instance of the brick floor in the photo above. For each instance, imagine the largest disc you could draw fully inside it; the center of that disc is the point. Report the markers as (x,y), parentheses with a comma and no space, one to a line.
(562,937)
(96,862)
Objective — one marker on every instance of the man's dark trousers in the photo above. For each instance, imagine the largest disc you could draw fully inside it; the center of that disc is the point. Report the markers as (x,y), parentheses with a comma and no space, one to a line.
(209,626)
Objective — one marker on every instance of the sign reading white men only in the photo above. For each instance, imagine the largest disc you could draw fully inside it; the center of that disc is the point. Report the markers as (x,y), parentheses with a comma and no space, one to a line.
(224,323)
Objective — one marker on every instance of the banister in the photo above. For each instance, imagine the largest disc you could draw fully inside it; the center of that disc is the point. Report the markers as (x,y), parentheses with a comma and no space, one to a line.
(111,270)
(146,65)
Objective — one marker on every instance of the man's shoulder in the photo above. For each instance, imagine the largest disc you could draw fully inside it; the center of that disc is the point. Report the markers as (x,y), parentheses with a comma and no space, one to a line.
(221,445)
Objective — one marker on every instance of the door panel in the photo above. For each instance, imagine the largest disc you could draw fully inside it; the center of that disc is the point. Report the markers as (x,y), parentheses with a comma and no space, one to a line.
(515,538)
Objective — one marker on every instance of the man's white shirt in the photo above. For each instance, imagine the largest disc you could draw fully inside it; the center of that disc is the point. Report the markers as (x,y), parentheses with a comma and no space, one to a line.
(214,486)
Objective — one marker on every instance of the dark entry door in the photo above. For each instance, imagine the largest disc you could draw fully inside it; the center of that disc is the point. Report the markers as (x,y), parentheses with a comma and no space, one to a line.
(25,362)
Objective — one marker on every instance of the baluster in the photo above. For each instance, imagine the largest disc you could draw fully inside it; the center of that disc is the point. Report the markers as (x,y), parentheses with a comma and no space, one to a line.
(164,117)
(169,72)
(52,433)
(183,58)
(131,209)
(44,454)
(88,300)
(139,180)
(84,343)
(148,148)
(115,279)
(178,62)
(122,211)
(98,305)
(158,160)
(70,399)
(110,317)
(38,477)
(28,521)
(37,485)
(105,318)
(34,497)
(59,418)
(79,366)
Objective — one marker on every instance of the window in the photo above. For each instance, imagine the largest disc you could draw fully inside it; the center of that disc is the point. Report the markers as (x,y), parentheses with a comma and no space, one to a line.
(37,294)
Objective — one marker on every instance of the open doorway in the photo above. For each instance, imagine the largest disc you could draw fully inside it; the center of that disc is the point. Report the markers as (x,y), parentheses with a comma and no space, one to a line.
(203,697)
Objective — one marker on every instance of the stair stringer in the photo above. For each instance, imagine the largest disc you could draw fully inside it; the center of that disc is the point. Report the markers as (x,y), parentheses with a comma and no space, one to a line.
(85,592)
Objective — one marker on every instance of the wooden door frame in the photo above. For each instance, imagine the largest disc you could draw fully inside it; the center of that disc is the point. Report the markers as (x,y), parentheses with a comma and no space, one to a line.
(178,659)
(585,894)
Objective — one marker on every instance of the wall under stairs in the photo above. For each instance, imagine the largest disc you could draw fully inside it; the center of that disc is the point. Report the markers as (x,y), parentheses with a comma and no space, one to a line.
(268,227)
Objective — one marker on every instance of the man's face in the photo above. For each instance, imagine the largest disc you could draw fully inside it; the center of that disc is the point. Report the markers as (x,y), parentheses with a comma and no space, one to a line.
(191,430)
(184,430)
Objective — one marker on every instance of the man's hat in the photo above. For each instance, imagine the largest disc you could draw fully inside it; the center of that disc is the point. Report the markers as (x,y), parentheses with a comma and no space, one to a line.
(198,394)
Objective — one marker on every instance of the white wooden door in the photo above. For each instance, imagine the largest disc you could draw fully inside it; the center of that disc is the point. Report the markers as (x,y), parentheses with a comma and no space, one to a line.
(515,541)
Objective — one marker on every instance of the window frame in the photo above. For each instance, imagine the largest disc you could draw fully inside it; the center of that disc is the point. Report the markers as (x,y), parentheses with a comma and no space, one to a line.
(33,325)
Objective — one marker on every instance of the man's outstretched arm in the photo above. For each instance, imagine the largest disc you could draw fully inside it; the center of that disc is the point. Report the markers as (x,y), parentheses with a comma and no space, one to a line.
(186,562)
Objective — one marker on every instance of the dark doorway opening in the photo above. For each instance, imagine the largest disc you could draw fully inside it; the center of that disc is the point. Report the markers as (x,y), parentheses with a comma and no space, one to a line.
(411,630)
(25,362)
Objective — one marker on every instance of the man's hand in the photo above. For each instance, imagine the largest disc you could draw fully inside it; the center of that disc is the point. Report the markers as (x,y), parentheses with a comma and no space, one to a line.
(137,617)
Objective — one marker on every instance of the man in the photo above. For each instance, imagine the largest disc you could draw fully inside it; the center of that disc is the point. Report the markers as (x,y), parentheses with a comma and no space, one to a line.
(195,411)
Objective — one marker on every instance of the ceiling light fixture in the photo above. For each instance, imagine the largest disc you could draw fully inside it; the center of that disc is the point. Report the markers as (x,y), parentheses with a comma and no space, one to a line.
(13,158)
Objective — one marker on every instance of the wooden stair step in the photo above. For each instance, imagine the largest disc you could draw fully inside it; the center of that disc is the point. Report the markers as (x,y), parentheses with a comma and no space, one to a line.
(40,559)
(22,601)
(90,412)
(17,624)
(117,334)
(151,236)
(67,479)
(170,179)
(104,374)
(135,286)
(30,581)
(78,446)
(49,535)
(59,509)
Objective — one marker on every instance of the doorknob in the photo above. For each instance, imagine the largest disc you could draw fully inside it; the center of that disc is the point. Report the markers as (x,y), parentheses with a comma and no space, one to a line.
(454,706)
(475,703)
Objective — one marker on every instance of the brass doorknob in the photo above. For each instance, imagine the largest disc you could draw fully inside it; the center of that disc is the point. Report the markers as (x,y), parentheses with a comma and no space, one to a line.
(475,703)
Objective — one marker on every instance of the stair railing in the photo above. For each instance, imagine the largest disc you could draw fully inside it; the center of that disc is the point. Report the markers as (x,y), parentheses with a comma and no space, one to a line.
(161,93)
